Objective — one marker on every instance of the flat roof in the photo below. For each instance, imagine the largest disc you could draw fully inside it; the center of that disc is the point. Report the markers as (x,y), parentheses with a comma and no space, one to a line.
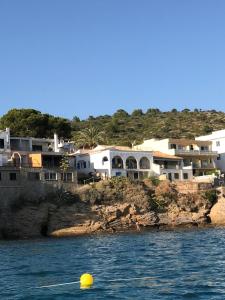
(186,142)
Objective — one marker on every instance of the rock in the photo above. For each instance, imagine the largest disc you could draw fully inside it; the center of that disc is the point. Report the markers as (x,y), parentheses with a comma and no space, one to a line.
(217,213)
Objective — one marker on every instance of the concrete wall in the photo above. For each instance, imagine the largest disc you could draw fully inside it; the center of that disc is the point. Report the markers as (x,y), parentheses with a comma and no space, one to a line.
(186,187)
(154,145)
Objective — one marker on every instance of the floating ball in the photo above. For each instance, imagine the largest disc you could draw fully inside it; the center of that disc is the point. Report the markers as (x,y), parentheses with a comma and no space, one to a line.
(86,281)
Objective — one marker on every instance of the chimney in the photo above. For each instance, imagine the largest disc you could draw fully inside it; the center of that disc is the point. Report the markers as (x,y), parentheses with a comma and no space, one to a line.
(7,130)
(56,142)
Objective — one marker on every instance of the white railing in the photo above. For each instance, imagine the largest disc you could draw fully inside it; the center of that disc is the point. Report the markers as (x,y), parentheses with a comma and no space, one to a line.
(194,152)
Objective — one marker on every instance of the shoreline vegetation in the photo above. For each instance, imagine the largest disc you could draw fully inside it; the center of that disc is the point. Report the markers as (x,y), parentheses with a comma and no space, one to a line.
(111,206)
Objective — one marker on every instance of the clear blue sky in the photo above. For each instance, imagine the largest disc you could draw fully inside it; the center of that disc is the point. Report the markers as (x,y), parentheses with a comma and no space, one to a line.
(91,57)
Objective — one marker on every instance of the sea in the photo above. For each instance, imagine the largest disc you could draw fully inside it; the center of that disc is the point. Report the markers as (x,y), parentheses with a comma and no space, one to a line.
(158,264)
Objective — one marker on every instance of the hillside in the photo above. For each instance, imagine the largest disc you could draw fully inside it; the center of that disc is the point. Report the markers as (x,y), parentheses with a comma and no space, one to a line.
(120,128)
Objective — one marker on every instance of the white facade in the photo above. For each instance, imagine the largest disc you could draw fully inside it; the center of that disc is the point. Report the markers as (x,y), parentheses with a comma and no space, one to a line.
(30,144)
(176,146)
(111,162)
(197,155)
(218,144)
(5,140)
(135,164)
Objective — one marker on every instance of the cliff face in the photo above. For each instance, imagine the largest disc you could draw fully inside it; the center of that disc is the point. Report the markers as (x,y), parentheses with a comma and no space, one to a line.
(110,206)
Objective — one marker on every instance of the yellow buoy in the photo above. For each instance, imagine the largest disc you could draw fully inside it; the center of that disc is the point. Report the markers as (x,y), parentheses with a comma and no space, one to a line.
(86,281)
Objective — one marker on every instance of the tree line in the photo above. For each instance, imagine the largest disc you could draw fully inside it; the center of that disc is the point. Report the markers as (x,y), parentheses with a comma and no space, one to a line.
(120,128)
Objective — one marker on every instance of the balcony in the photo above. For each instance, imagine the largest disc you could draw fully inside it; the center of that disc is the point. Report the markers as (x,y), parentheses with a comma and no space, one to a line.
(203,166)
(195,152)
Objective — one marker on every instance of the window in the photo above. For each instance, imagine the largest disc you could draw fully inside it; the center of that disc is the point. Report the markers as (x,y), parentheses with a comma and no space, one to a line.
(37,148)
(144,163)
(12,176)
(219,157)
(2,144)
(176,176)
(33,176)
(105,159)
(185,176)
(81,165)
(67,177)
(204,148)
(117,162)
(173,146)
(217,143)
(181,147)
(131,163)
(50,176)
(191,147)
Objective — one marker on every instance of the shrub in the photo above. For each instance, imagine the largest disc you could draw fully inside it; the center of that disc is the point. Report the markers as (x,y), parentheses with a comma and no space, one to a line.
(155,180)
(211,196)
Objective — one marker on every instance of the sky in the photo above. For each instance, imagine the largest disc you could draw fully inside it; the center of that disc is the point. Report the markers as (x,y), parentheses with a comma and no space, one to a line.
(92,57)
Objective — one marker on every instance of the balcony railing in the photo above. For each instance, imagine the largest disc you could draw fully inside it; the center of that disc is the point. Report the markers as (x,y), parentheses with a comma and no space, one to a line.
(195,152)
(203,166)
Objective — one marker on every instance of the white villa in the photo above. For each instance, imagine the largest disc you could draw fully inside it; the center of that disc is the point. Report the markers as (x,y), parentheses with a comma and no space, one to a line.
(197,155)
(109,161)
(218,144)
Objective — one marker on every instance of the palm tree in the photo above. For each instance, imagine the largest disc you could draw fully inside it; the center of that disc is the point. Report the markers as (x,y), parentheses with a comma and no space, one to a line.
(89,137)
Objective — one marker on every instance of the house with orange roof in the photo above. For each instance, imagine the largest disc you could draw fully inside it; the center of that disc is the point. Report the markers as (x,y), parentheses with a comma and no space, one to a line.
(109,161)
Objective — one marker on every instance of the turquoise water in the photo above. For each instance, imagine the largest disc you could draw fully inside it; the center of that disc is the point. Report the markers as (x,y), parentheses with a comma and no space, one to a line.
(181,264)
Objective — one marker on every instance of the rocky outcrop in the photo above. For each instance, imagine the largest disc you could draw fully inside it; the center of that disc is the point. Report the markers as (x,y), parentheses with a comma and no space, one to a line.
(217,213)
(105,207)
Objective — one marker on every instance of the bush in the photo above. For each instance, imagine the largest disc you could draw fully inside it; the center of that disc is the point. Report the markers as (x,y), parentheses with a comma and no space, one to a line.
(155,180)
(211,196)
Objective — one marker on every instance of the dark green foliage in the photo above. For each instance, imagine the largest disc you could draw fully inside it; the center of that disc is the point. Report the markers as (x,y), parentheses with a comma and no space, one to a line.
(155,180)
(124,129)
(30,122)
(121,128)
(211,196)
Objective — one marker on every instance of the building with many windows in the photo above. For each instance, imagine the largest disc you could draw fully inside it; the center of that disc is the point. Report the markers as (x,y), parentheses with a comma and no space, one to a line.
(109,161)
(35,159)
(217,138)
(196,154)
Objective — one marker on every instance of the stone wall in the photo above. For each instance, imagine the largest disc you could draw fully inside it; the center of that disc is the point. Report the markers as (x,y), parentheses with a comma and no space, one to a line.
(185,187)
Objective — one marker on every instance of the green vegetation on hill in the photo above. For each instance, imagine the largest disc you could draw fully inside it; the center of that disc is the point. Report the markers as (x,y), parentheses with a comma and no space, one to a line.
(30,122)
(121,128)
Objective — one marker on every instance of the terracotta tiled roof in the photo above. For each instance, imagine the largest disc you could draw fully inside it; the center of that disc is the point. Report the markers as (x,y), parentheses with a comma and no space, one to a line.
(164,155)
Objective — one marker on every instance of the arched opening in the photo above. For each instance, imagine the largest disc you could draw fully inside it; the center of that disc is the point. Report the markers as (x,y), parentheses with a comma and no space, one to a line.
(117,162)
(144,163)
(105,159)
(131,163)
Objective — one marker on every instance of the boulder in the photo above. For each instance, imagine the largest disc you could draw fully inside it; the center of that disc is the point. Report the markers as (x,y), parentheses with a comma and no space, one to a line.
(217,213)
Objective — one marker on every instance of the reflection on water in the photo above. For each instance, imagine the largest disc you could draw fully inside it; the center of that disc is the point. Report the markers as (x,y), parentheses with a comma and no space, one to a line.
(181,264)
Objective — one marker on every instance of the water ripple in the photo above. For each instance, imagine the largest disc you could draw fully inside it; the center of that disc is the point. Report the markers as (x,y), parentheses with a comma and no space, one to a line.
(179,264)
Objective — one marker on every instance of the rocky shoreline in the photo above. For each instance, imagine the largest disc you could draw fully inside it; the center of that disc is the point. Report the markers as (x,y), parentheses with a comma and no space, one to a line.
(111,206)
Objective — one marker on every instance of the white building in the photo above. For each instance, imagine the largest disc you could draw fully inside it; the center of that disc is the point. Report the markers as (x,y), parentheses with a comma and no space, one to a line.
(4,146)
(197,155)
(109,161)
(218,144)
